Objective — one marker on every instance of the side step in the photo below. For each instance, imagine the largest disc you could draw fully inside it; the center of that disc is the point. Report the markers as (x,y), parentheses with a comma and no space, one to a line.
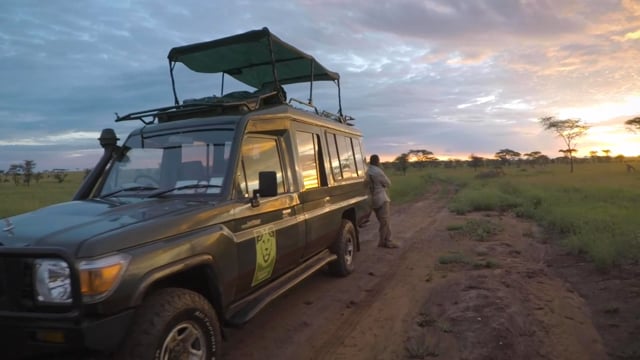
(247,308)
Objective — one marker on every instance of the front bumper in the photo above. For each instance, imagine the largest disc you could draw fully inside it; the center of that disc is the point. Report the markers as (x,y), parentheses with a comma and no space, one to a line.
(30,330)
(46,336)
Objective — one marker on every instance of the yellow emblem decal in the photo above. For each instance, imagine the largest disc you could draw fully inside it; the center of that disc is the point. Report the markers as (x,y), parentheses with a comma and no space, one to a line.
(265,254)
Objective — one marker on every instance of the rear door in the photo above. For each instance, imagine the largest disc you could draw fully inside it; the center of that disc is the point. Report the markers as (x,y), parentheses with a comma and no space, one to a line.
(339,190)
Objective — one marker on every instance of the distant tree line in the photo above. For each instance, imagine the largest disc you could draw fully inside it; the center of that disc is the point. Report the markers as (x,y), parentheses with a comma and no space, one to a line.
(24,174)
(569,130)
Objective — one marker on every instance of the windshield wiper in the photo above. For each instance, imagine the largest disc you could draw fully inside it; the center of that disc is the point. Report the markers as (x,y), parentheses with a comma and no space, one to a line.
(183,187)
(131,188)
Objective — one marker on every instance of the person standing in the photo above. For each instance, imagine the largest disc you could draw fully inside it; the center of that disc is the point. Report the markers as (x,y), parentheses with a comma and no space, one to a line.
(378,183)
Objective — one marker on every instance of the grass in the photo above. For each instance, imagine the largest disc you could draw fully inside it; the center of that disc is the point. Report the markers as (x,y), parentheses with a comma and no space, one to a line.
(477,229)
(418,348)
(486,264)
(593,211)
(453,258)
(20,199)
(406,188)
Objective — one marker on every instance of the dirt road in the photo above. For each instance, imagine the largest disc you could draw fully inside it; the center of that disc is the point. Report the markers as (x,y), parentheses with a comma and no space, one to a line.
(452,291)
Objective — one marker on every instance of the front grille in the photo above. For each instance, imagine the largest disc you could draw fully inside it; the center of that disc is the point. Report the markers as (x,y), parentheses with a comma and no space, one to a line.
(26,286)
(16,290)
(3,293)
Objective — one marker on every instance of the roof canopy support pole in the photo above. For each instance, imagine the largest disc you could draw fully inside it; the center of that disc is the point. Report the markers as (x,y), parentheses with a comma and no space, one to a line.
(222,86)
(339,99)
(173,83)
(273,68)
(311,84)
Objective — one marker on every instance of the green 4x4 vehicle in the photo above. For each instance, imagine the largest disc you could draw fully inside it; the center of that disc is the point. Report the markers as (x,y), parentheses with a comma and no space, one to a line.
(207,212)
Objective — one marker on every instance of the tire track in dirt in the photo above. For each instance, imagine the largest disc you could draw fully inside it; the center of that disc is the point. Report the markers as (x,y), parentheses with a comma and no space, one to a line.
(308,321)
(498,301)
(429,207)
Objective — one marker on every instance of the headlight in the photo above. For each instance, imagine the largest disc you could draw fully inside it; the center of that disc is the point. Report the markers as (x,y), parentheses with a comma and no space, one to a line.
(52,281)
(99,277)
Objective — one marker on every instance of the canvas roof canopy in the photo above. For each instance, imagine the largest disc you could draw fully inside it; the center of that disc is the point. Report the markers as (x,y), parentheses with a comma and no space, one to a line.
(250,58)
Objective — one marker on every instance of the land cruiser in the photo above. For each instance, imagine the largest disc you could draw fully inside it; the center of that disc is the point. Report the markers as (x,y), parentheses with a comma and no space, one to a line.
(204,214)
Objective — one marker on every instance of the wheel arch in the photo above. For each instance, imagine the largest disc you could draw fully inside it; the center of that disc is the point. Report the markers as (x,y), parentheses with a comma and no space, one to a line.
(196,273)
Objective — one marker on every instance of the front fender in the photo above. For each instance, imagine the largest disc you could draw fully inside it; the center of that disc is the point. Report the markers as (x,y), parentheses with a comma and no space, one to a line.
(212,248)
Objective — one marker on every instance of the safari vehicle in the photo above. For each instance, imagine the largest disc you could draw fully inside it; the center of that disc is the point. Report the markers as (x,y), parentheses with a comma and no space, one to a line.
(208,211)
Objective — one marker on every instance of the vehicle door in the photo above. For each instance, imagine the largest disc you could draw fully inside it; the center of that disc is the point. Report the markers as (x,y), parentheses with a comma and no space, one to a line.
(322,218)
(340,191)
(269,236)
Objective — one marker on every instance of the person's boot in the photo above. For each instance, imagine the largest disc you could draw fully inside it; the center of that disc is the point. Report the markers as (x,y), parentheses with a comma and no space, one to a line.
(391,245)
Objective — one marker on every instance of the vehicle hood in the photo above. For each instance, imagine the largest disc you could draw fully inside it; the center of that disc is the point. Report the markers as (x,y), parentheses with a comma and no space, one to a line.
(68,225)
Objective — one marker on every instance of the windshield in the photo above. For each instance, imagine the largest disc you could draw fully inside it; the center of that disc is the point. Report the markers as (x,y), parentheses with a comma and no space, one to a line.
(192,162)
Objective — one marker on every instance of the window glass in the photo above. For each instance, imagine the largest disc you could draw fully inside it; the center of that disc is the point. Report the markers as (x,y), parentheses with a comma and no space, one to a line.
(347,160)
(307,158)
(357,149)
(136,167)
(258,154)
(166,161)
(333,156)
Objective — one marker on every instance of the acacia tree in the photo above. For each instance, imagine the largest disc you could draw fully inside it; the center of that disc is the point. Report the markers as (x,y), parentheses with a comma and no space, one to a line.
(15,170)
(568,129)
(533,157)
(475,161)
(28,167)
(506,156)
(420,157)
(402,163)
(633,124)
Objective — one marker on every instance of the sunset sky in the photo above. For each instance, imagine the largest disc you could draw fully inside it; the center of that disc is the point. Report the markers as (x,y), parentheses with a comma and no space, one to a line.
(451,76)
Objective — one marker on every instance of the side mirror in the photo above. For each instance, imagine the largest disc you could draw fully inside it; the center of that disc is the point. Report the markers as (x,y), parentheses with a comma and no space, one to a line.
(268,183)
(267,186)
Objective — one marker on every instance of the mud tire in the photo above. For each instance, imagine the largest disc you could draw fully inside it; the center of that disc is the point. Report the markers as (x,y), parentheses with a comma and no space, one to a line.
(345,248)
(161,318)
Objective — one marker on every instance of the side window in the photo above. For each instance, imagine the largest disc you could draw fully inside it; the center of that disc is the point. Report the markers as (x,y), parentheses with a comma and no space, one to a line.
(347,160)
(333,157)
(357,149)
(308,159)
(258,154)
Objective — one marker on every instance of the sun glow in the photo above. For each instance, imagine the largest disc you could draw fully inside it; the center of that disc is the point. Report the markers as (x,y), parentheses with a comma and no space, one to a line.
(629,107)
(614,138)
(607,130)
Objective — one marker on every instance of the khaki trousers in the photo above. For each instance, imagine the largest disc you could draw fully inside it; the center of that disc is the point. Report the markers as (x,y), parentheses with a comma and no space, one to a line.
(382,214)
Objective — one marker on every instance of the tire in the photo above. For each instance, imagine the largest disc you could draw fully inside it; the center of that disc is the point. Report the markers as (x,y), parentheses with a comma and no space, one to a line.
(173,323)
(345,248)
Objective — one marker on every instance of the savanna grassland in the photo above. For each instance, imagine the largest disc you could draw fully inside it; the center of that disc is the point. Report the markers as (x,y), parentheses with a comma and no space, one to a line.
(479,273)
(17,199)
(592,211)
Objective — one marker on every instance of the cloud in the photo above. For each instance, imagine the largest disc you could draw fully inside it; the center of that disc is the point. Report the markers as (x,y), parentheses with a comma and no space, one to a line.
(452,76)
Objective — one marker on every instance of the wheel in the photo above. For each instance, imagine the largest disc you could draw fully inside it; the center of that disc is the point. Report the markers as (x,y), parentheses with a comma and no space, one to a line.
(145,180)
(345,248)
(173,324)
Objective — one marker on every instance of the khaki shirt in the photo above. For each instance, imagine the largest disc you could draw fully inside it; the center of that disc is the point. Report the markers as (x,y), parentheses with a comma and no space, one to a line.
(378,182)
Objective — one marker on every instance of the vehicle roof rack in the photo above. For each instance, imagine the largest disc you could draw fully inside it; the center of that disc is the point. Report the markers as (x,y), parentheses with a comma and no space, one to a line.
(256,58)
(233,103)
